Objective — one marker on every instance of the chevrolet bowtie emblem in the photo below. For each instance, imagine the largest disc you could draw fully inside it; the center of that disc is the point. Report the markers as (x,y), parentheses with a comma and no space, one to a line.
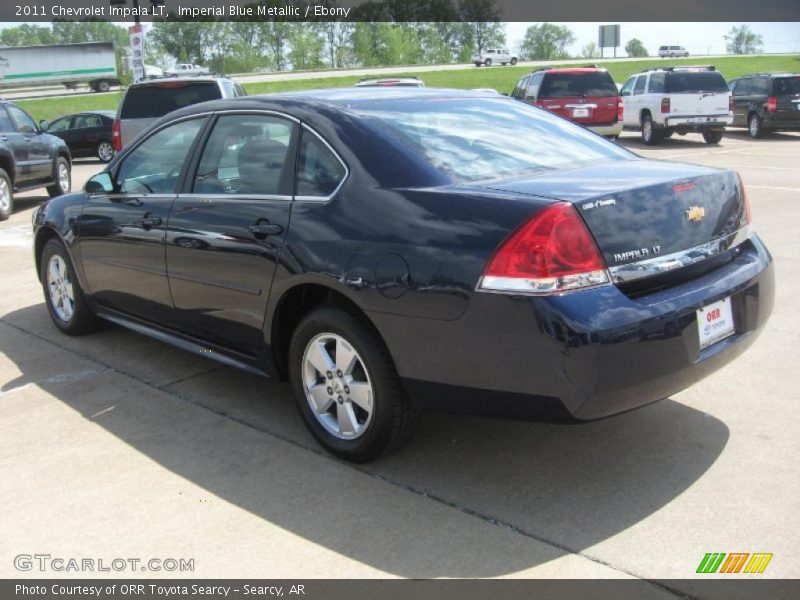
(695,213)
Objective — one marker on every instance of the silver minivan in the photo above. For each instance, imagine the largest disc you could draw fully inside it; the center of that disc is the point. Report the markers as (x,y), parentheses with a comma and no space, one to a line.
(672,51)
(148,100)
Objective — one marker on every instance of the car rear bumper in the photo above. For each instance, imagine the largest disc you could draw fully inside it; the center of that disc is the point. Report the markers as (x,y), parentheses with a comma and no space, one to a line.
(699,123)
(610,129)
(582,355)
(788,120)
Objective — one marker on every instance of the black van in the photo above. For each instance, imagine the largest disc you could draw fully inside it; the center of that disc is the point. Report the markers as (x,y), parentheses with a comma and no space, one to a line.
(766,102)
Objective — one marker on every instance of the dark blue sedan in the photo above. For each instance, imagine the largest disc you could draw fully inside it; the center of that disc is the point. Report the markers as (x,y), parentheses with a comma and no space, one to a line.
(391,250)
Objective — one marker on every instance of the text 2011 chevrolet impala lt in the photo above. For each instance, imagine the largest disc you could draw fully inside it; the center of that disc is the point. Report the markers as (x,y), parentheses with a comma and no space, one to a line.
(388,250)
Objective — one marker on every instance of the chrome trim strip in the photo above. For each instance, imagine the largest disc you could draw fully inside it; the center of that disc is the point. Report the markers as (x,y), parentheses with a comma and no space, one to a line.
(178,341)
(675,260)
(341,161)
(236,197)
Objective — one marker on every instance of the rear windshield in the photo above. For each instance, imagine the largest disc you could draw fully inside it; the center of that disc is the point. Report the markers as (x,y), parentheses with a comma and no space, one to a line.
(785,86)
(156,100)
(566,85)
(685,82)
(471,139)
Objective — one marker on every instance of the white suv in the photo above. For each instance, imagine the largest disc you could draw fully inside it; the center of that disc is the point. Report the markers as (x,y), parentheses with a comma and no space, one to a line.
(494,56)
(660,102)
(672,51)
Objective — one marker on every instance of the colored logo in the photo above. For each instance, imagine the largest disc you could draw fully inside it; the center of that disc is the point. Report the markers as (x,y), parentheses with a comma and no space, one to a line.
(695,213)
(734,562)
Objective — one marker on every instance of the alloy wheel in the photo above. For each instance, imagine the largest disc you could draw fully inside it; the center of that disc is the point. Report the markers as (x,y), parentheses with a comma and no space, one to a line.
(63,177)
(105,151)
(59,287)
(5,196)
(337,386)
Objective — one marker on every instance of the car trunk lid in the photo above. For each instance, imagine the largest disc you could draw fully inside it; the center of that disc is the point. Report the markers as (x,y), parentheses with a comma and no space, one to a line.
(639,210)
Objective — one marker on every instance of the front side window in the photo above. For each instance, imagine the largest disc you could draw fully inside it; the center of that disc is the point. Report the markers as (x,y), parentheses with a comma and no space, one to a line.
(247,155)
(472,139)
(743,87)
(23,122)
(628,87)
(319,171)
(6,124)
(639,87)
(59,125)
(154,165)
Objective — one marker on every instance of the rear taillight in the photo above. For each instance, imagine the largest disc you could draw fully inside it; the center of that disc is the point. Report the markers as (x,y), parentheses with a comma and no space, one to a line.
(552,252)
(730,103)
(620,109)
(772,104)
(665,105)
(748,217)
(116,138)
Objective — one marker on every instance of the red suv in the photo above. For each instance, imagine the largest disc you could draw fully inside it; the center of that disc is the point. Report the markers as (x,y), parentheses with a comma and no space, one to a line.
(585,95)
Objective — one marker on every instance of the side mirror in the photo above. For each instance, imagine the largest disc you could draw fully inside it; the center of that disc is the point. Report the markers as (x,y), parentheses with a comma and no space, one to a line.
(44,125)
(99,184)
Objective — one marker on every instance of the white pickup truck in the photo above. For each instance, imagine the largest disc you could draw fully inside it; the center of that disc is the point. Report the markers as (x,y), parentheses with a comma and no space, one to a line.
(494,56)
(188,69)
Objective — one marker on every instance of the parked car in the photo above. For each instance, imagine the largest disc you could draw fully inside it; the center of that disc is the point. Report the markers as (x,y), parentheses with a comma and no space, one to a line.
(672,51)
(586,95)
(187,69)
(86,134)
(431,258)
(691,99)
(766,102)
(391,82)
(29,158)
(494,56)
(146,101)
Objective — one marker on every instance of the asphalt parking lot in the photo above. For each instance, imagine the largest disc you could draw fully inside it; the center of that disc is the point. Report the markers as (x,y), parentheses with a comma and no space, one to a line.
(114,445)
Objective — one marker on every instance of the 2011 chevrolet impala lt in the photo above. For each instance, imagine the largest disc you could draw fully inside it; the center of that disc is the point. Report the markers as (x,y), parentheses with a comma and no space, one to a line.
(391,250)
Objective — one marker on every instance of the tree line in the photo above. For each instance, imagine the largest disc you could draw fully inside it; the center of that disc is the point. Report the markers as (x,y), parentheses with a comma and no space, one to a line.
(392,37)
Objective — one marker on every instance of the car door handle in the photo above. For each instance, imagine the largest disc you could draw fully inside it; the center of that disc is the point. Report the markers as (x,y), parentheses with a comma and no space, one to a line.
(149,221)
(4,138)
(264,228)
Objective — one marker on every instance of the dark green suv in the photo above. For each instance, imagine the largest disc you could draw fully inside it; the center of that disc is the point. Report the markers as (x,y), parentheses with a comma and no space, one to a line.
(766,102)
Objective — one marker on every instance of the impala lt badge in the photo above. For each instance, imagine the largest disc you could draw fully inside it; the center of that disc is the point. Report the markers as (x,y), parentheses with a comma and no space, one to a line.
(695,213)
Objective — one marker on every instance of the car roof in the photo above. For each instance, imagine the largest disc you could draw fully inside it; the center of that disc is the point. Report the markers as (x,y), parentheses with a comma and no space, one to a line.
(205,78)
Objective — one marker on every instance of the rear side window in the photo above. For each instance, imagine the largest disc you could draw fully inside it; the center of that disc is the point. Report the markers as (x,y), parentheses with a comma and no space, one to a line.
(319,172)
(246,155)
(760,86)
(156,100)
(656,85)
(689,82)
(565,85)
(787,86)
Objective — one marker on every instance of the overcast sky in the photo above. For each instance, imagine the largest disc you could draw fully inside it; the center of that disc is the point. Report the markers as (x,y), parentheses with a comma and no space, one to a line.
(697,38)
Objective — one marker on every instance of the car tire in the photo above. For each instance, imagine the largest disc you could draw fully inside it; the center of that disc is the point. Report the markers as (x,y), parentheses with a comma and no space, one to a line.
(712,137)
(477,64)
(6,196)
(104,151)
(63,177)
(488,62)
(754,128)
(513,61)
(103,86)
(63,295)
(357,431)
(650,135)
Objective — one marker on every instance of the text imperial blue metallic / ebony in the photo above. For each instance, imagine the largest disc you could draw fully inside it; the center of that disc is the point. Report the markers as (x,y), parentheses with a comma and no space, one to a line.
(393,249)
